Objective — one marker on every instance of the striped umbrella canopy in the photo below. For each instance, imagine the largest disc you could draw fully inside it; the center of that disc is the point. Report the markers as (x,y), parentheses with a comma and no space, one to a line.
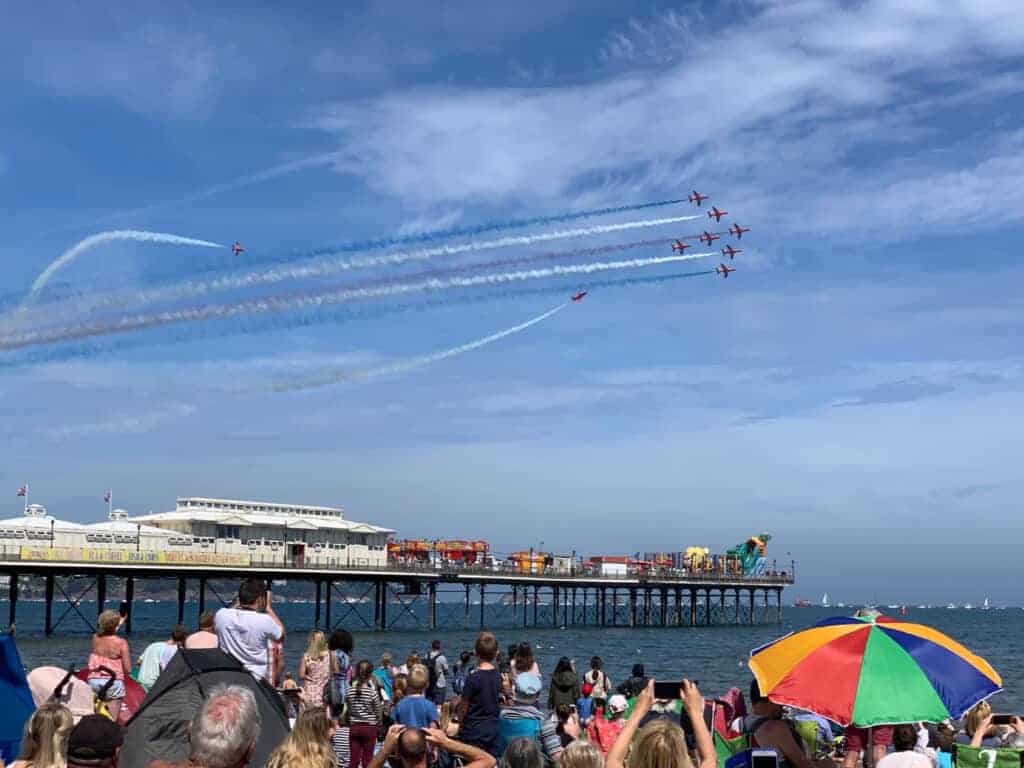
(873,671)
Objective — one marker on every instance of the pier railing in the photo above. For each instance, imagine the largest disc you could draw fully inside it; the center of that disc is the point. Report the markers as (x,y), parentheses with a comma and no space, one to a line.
(12,555)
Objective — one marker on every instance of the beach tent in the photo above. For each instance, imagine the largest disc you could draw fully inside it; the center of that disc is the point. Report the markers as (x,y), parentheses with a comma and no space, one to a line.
(159,730)
(74,694)
(16,697)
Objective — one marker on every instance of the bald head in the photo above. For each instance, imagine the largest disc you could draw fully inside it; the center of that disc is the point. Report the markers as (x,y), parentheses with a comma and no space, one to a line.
(412,747)
(225,729)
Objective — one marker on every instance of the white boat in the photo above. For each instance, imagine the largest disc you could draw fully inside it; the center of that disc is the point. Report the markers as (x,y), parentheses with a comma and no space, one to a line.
(840,605)
(824,601)
(985,606)
(951,607)
(968,607)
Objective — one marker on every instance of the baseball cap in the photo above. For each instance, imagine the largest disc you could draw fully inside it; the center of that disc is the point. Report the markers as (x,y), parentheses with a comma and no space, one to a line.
(94,738)
(527,685)
(618,703)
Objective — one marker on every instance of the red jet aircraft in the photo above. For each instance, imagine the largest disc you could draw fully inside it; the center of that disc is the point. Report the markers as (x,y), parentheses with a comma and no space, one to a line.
(697,197)
(716,214)
(731,252)
(680,247)
(237,248)
(737,231)
(579,296)
(724,270)
(707,238)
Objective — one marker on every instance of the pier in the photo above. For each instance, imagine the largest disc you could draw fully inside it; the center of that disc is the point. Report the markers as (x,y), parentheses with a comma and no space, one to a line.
(409,597)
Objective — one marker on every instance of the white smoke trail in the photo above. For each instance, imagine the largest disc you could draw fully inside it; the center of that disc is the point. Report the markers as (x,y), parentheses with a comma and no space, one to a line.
(401,366)
(326,268)
(100,238)
(295,301)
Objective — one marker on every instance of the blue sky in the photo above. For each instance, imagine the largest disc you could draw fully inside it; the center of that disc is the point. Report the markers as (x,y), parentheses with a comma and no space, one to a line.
(852,389)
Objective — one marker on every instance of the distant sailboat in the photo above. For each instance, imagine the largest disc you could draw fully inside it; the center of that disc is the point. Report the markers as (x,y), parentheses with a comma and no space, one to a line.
(968,607)
(985,606)
(824,601)
(951,607)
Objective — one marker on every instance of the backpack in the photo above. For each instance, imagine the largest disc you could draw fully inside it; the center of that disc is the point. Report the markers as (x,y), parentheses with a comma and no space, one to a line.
(432,672)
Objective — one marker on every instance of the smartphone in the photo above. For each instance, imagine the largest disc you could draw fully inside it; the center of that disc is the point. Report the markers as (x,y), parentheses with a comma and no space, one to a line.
(1002,719)
(764,758)
(667,691)
(123,608)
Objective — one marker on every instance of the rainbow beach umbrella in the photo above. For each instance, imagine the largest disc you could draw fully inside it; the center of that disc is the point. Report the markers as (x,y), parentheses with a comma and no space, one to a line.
(873,671)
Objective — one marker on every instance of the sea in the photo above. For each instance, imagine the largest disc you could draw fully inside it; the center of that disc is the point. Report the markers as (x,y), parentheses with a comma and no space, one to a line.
(714,656)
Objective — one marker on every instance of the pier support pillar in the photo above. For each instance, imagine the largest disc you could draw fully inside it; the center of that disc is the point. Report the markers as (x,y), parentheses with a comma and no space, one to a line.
(555,598)
(647,607)
(664,607)
(536,600)
(483,604)
(12,598)
(48,620)
(572,621)
(316,608)
(707,607)
(679,607)
(376,605)
(465,616)
(101,592)
(737,606)
(327,606)
(632,606)
(526,602)
(693,607)
(383,605)
(752,609)
(202,595)
(181,599)
(432,592)
(721,608)
(604,611)
(129,597)
(778,606)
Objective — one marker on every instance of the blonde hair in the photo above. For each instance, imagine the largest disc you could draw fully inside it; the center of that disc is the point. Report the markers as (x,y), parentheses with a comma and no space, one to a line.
(398,688)
(419,678)
(660,744)
(45,744)
(308,745)
(412,660)
(317,646)
(108,622)
(975,715)
(581,754)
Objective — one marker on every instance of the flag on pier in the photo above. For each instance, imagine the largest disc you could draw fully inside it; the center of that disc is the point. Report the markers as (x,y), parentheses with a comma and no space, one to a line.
(108,496)
(23,491)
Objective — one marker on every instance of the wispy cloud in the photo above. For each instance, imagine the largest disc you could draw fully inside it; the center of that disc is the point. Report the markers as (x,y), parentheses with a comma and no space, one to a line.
(122,424)
(803,88)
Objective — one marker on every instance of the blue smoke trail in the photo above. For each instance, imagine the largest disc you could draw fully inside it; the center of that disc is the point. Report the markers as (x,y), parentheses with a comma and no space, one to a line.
(249,326)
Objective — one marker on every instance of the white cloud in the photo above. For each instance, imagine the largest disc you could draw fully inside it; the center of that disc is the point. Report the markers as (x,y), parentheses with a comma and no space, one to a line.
(790,92)
(121,424)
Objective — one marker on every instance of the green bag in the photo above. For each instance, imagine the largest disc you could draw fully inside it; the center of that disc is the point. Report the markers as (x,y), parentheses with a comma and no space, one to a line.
(985,757)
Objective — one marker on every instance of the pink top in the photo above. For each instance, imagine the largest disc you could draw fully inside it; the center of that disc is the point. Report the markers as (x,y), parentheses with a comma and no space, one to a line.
(114,665)
(202,639)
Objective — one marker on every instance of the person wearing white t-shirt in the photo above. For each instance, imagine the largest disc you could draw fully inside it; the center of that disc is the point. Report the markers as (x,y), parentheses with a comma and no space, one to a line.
(911,749)
(247,630)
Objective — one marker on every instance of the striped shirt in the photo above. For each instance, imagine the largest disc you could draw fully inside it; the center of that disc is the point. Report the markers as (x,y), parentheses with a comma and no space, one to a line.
(339,743)
(364,704)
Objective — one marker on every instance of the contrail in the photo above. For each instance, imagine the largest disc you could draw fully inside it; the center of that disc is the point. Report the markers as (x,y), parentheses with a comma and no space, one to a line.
(400,366)
(187,334)
(296,301)
(324,269)
(100,238)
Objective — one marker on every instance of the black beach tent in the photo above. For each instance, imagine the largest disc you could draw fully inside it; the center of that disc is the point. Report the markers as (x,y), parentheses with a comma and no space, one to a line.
(159,730)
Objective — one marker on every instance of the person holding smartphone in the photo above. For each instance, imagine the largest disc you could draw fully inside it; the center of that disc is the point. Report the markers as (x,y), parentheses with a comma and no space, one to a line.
(246,631)
(663,742)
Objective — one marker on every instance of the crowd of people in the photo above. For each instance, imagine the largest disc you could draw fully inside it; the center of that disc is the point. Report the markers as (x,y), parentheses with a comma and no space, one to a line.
(487,707)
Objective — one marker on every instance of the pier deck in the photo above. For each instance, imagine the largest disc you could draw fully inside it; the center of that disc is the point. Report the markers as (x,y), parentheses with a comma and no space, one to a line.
(418,594)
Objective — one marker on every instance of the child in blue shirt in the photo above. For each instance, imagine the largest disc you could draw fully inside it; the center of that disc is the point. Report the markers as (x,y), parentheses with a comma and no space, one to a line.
(415,710)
